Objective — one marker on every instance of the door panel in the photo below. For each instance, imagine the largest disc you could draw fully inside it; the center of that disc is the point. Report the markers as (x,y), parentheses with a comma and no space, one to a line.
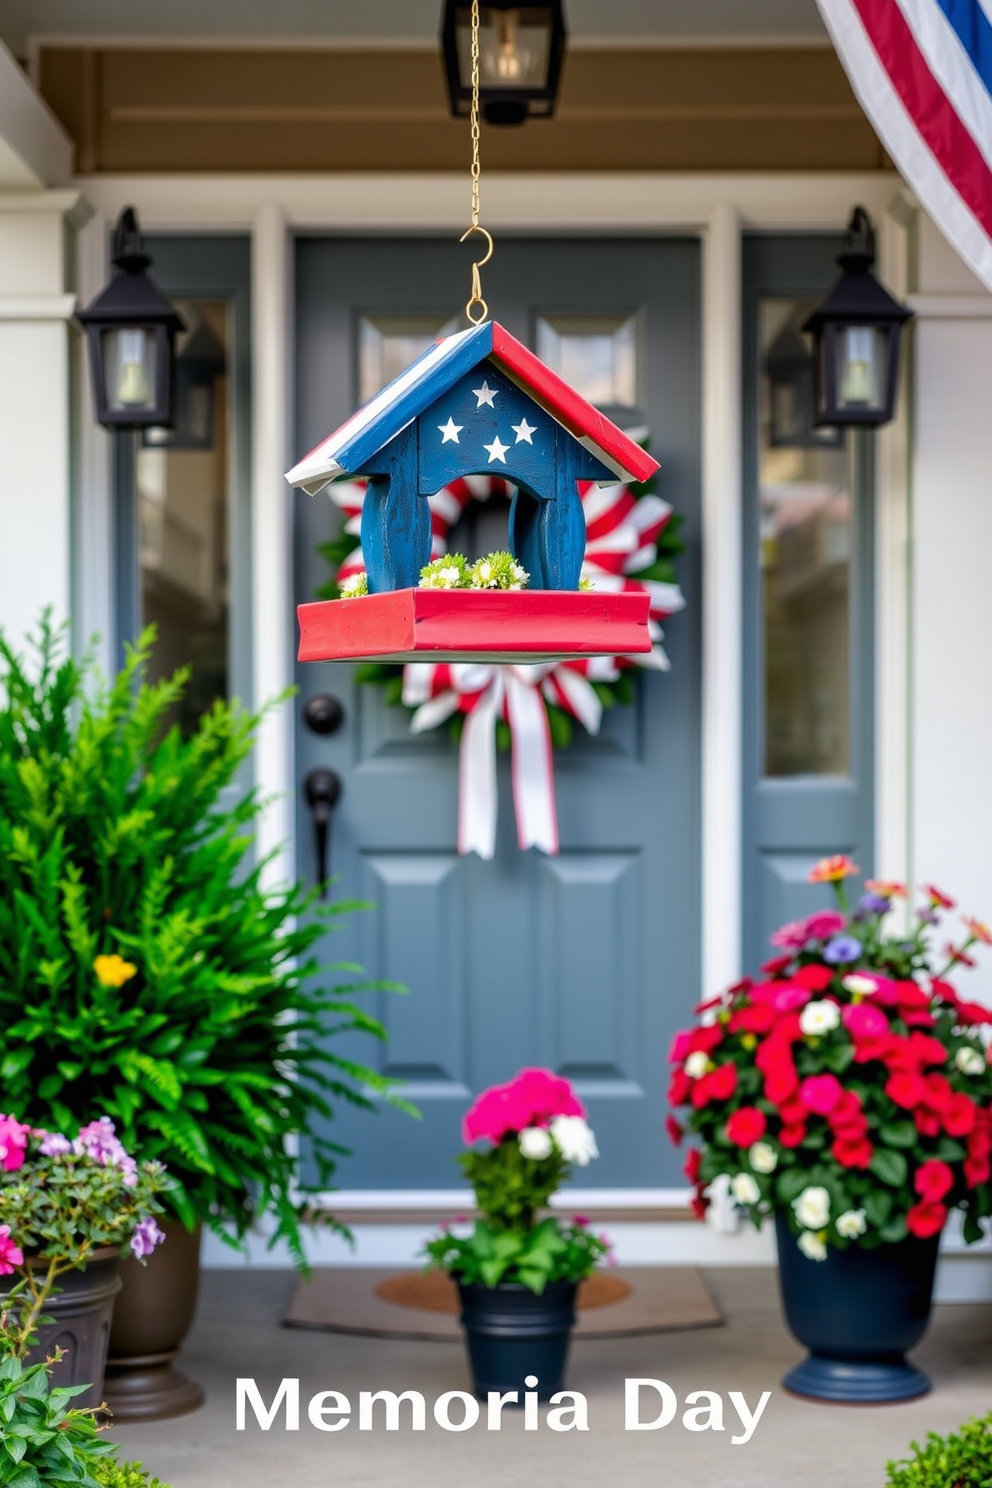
(586,962)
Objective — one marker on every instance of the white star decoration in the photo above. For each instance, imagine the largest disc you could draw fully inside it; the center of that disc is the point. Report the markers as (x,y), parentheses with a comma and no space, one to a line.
(450,431)
(523,431)
(497,450)
(485,394)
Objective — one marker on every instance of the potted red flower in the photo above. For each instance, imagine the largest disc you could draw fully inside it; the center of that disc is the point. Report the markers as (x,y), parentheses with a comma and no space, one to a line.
(846,1092)
(518,1267)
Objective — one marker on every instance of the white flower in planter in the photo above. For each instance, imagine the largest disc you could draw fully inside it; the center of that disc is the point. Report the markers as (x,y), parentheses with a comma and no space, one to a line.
(762,1157)
(574,1139)
(535,1142)
(812,1208)
(697,1064)
(819,1017)
(969,1061)
(745,1189)
(852,1223)
(812,1246)
(859,984)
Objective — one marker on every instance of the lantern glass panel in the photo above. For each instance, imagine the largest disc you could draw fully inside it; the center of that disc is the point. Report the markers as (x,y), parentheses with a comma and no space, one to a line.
(804,559)
(862,367)
(514,47)
(130,368)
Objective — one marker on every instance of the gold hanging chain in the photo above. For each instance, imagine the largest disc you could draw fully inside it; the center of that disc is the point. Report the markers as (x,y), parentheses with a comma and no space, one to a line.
(477,310)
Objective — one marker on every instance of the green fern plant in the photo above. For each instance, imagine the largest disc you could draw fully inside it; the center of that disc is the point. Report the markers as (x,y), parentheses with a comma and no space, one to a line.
(219,1046)
(962,1459)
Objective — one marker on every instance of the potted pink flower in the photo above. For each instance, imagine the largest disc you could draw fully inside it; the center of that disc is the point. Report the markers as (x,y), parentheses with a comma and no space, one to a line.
(67,1207)
(518,1268)
(846,1093)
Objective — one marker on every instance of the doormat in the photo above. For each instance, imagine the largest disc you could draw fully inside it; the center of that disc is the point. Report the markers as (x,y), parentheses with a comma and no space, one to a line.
(418,1304)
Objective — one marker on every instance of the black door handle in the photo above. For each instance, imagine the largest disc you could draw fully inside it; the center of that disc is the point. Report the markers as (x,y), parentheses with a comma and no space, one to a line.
(322,788)
(323,714)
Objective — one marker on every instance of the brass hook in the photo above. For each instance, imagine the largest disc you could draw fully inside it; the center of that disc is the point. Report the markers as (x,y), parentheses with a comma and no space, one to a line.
(477,310)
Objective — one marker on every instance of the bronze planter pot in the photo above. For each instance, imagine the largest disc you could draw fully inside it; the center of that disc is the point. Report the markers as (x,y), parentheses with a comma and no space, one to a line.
(80,1315)
(154,1313)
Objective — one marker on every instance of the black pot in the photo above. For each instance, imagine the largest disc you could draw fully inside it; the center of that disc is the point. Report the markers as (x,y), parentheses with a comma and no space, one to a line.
(513,1334)
(857,1312)
(80,1315)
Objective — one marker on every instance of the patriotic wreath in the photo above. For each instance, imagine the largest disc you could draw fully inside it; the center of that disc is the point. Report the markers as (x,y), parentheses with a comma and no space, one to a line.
(632,539)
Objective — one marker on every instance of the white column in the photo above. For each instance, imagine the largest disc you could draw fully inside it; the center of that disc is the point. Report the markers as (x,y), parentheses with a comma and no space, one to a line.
(273,615)
(951,778)
(35,407)
(722,600)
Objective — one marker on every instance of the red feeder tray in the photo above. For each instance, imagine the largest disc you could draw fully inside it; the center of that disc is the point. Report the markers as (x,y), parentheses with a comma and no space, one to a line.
(474,625)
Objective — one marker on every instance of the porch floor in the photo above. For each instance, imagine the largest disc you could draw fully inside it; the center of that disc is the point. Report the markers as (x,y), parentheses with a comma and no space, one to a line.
(238,1333)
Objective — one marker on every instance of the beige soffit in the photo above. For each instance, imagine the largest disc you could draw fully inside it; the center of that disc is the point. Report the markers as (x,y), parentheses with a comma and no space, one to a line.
(228,110)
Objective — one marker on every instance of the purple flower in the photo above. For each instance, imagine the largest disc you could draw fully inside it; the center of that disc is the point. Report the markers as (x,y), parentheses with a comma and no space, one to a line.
(841,949)
(873,904)
(54,1144)
(928,916)
(145,1238)
(98,1141)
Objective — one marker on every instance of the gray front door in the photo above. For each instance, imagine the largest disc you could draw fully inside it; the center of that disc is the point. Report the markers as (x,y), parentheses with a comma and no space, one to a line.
(584,962)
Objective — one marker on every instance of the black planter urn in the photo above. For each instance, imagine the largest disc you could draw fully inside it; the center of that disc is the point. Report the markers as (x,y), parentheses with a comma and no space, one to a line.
(513,1333)
(857,1312)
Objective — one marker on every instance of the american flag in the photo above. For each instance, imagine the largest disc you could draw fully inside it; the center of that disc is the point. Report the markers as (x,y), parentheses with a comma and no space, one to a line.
(922,70)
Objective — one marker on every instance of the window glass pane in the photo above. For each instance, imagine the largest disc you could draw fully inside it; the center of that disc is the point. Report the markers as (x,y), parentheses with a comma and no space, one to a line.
(805,560)
(183,477)
(388,344)
(595,354)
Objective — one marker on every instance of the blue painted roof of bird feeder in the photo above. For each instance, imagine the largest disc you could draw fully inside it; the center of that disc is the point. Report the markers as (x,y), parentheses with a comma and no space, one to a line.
(476,383)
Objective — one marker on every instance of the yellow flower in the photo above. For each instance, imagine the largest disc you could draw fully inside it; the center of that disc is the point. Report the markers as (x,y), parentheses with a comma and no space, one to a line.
(113,971)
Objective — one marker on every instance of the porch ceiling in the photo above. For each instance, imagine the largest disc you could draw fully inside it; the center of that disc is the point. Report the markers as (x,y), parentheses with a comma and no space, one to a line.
(395,21)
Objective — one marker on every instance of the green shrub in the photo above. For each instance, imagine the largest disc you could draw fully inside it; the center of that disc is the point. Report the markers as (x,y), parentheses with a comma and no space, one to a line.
(111,1474)
(961,1460)
(206,1037)
(44,1443)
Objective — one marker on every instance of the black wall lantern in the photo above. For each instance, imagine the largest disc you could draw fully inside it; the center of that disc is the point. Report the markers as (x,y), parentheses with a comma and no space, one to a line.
(856,333)
(131,330)
(521,46)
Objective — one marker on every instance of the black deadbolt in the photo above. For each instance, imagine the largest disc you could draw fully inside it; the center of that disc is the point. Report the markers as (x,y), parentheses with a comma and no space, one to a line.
(323,714)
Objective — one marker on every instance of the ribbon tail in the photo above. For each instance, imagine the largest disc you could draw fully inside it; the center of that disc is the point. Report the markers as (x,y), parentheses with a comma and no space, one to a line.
(478,802)
(532,768)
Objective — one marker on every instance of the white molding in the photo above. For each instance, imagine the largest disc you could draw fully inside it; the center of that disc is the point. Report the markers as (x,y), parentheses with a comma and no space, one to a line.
(37,307)
(272,614)
(396,1200)
(634,202)
(950,306)
(891,589)
(722,601)
(70,204)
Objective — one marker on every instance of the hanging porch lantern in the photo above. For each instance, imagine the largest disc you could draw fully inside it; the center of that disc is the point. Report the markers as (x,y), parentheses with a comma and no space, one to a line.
(521,47)
(856,333)
(131,330)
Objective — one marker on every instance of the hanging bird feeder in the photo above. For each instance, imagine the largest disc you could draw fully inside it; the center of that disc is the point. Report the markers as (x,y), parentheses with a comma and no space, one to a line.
(476,403)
